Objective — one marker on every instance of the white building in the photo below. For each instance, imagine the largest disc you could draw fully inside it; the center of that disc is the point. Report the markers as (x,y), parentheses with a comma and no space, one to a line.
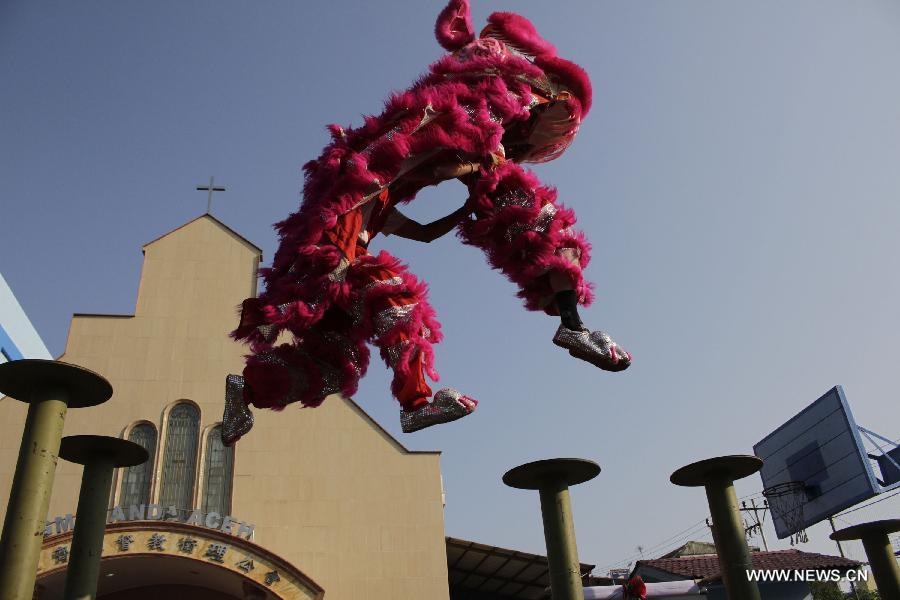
(18,338)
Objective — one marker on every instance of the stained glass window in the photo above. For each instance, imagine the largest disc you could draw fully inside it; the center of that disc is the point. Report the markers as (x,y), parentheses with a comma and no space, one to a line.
(179,462)
(137,479)
(217,471)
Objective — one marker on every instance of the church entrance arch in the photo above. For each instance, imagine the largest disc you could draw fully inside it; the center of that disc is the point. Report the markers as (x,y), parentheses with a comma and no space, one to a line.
(167,559)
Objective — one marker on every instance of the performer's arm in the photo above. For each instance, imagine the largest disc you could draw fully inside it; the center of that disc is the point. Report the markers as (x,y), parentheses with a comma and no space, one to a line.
(412,230)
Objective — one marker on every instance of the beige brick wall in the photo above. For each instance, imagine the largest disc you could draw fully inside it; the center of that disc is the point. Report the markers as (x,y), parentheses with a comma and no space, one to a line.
(327,489)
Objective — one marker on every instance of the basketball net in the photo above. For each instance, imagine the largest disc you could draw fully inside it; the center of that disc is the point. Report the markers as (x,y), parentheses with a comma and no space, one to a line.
(786,502)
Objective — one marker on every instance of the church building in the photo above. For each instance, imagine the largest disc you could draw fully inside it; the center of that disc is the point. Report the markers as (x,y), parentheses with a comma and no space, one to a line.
(327,505)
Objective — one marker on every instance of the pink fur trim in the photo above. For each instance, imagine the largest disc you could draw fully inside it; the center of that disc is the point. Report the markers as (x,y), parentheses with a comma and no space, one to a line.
(517,244)
(453,29)
(521,33)
(572,76)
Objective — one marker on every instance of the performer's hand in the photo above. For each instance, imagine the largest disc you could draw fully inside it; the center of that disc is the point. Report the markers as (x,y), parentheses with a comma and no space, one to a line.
(470,206)
(464,211)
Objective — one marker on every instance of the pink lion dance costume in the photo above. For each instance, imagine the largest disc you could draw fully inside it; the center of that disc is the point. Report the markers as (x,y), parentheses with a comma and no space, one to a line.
(495,101)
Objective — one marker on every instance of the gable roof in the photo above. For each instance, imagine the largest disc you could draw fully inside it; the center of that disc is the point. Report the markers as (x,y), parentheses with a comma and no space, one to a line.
(693,549)
(706,566)
(381,430)
(214,220)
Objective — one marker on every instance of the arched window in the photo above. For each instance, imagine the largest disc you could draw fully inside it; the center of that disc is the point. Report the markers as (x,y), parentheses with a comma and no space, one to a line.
(217,471)
(179,461)
(136,480)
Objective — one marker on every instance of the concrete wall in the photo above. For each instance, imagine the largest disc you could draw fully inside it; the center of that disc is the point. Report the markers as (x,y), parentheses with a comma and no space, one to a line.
(326,488)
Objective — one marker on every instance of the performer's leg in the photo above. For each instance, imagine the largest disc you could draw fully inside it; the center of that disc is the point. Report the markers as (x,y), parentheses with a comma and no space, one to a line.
(392,309)
(325,362)
(328,359)
(595,347)
(566,300)
(412,390)
(529,237)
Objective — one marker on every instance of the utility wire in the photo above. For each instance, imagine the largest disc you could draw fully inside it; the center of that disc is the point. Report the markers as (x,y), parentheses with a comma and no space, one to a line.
(694,529)
(847,512)
(671,540)
(676,538)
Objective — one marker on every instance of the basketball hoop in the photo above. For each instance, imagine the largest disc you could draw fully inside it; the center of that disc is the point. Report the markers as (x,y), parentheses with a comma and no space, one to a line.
(786,502)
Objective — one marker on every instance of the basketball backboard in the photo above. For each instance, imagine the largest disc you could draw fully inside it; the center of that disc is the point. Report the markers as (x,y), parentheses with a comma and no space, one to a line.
(820,447)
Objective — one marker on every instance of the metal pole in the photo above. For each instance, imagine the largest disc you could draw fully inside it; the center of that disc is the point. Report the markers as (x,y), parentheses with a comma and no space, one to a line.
(883,563)
(49,388)
(100,455)
(29,498)
(717,476)
(762,533)
(841,551)
(874,536)
(838,542)
(731,546)
(559,533)
(552,478)
(90,524)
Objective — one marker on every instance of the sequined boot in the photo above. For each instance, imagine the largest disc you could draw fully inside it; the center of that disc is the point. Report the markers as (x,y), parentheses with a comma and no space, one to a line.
(595,347)
(448,405)
(238,419)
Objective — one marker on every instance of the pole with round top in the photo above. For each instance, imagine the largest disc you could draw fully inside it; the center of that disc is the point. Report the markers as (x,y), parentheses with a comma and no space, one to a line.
(874,537)
(99,455)
(49,388)
(552,479)
(718,475)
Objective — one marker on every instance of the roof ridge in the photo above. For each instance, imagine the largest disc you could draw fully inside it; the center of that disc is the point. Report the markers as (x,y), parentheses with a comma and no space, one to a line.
(216,221)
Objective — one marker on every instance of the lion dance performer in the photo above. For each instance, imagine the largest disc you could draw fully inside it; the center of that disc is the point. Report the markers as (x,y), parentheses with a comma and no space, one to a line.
(495,101)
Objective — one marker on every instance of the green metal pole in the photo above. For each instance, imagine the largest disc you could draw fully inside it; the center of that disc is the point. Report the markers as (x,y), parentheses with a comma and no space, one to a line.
(90,524)
(552,478)
(883,563)
(731,546)
(559,533)
(23,526)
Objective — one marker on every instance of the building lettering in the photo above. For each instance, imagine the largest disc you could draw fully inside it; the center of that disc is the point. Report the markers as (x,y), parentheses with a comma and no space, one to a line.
(246,565)
(62,525)
(226,525)
(157,512)
(211,520)
(124,542)
(245,530)
(156,542)
(61,554)
(216,552)
(116,515)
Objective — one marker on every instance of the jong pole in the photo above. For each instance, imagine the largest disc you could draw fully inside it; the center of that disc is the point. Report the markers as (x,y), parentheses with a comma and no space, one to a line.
(717,475)
(552,479)
(874,537)
(100,455)
(49,388)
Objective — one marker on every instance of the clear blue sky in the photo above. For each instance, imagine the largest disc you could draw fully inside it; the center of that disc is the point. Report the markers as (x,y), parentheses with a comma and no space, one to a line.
(738,176)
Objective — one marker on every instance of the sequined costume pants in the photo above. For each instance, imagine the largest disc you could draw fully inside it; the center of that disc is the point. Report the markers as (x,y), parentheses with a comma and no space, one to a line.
(384,305)
(526,234)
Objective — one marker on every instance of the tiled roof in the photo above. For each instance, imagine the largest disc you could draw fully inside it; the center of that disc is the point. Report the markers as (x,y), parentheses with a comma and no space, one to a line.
(707,566)
(482,571)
